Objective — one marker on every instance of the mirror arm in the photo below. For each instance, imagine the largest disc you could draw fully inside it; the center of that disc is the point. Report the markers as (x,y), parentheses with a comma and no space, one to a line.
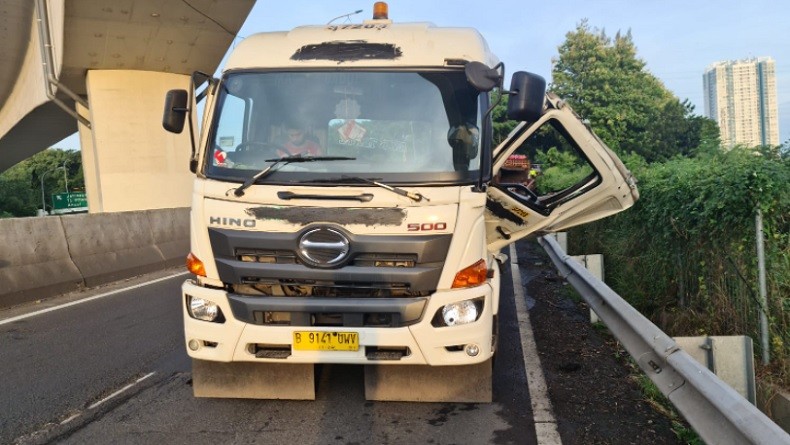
(501,89)
(501,67)
(192,159)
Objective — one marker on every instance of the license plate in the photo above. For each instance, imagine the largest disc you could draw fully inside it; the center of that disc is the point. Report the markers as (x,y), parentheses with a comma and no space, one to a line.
(326,341)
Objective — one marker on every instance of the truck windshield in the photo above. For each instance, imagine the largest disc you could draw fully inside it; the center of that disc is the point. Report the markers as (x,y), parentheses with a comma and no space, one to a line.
(396,127)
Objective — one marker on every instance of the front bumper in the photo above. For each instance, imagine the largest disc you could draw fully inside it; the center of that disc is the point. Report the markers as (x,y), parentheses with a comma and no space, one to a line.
(235,340)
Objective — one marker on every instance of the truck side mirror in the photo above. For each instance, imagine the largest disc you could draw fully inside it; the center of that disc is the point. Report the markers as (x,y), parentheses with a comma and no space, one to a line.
(175,110)
(527,94)
(483,78)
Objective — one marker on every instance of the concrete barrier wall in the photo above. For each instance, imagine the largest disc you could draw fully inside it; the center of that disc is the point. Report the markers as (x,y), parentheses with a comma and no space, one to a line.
(43,257)
(170,229)
(34,260)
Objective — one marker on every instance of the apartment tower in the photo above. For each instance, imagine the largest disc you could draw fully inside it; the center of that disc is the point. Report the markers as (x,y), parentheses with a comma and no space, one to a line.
(740,95)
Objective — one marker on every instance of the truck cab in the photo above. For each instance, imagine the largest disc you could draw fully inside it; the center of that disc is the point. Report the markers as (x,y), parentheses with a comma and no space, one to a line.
(349,205)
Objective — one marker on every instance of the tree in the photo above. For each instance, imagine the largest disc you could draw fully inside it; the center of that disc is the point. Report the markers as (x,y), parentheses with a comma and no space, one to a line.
(16,198)
(628,107)
(502,126)
(20,186)
(676,130)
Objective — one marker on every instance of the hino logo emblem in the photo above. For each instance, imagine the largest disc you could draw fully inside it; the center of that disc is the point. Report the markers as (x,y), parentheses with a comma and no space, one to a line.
(238,222)
(323,247)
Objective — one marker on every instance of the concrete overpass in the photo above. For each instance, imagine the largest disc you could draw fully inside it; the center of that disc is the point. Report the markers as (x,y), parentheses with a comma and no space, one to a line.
(102,67)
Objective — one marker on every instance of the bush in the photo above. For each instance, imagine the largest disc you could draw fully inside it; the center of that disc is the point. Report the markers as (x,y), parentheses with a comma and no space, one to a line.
(685,255)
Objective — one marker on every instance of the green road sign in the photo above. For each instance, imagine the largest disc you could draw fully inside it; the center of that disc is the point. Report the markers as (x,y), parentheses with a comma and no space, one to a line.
(61,201)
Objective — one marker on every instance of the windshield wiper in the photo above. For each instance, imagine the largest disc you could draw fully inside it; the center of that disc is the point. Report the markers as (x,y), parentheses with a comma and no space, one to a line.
(284,161)
(417,197)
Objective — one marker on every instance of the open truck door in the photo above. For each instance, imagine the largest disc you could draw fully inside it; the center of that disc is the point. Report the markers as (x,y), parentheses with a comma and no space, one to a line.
(563,176)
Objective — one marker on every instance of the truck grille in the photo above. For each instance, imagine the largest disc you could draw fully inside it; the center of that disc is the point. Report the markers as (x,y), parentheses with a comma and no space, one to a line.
(267,264)
(288,257)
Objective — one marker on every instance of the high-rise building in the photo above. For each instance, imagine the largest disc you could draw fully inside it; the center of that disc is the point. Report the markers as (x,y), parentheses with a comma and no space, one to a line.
(740,95)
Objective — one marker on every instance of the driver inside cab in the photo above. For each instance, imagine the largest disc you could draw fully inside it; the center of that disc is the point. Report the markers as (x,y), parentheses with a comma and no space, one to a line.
(299,144)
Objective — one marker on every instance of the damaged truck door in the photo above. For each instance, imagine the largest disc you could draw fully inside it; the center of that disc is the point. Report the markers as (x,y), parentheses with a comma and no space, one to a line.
(552,174)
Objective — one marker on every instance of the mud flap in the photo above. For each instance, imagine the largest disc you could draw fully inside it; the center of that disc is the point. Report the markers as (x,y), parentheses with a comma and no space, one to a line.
(253,380)
(419,383)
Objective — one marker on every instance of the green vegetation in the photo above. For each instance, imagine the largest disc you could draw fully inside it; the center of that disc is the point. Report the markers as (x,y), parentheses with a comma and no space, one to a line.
(685,255)
(20,186)
(661,404)
(563,170)
(652,395)
(629,108)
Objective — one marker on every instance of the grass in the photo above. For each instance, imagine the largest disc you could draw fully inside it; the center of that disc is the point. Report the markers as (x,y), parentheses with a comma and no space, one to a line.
(652,395)
(660,403)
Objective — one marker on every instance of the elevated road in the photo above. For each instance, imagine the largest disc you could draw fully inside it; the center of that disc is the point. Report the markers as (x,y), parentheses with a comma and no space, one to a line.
(50,45)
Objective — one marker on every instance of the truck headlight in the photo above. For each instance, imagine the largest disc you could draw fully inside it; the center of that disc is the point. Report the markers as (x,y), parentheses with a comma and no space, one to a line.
(202,309)
(455,314)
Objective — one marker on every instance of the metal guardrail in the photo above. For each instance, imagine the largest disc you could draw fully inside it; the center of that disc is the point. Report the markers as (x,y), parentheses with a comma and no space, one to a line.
(716,411)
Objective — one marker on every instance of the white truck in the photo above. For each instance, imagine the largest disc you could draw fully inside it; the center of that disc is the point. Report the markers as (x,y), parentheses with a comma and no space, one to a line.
(348,208)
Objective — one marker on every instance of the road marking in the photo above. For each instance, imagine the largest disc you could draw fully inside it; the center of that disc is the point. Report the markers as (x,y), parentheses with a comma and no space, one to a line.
(70,418)
(85,300)
(545,423)
(116,393)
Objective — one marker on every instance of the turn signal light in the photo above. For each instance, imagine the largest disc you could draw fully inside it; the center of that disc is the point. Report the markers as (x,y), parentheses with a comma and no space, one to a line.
(380,11)
(195,266)
(472,276)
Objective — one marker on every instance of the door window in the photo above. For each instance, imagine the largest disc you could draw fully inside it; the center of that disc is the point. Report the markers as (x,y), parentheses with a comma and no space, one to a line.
(546,169)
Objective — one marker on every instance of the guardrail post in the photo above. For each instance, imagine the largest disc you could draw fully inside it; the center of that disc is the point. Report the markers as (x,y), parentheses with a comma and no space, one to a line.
(593,263)
(731,358)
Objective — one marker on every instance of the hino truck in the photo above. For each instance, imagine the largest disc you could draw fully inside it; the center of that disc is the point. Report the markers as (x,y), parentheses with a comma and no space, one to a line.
(349,207)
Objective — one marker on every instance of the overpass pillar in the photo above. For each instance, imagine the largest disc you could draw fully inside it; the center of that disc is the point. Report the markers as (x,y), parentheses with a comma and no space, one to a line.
(130,162)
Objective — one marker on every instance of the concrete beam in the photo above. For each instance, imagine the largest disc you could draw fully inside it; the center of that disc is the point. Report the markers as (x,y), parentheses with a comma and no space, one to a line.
(144,35)
(26,109)
(130,162)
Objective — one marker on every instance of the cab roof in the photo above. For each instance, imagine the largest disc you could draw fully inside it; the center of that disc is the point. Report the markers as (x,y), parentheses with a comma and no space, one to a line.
(374,44)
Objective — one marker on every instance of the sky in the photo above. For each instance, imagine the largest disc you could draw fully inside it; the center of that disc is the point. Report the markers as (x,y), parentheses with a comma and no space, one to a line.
(677,39)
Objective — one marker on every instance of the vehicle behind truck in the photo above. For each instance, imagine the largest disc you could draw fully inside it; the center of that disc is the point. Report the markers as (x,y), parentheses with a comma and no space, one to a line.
(349,207)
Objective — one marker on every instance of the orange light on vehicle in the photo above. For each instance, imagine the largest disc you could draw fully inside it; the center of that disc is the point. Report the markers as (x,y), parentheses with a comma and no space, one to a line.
(380,11)
(474,275)
(195,266)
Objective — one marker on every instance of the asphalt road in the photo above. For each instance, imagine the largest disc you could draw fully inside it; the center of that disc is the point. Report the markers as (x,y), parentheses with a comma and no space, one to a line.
(114,370)
(56,364)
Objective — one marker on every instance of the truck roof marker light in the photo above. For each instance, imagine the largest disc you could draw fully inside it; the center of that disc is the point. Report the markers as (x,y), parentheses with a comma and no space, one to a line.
(195,266)
(471,276)
(380,11)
